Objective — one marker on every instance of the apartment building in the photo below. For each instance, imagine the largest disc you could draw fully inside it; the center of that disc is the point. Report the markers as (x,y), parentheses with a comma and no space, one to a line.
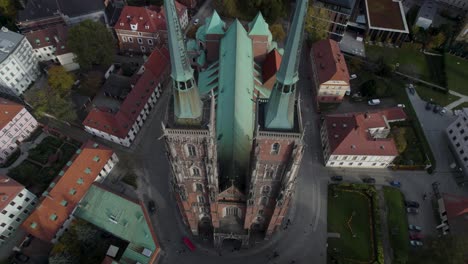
(121,125)
(50,44)
(457,133)
(143,29)
(386,21)
(16,125)
(329,71)
(360,139)
(15,205)
(18,63)
(91,163)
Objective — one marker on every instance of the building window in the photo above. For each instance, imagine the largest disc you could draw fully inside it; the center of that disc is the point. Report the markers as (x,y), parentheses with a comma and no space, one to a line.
(140,41)
(124,39)
(462,131)
(458,124)
(4,211)
(192,152)
(275,149)
(196,172)
(130,39)
(198,187)
(266,190)
(232,211)
(27,199)
(201,199)
(12,203)
(3,225)
(150,42)
(450,131)
(143,48)
(270,173)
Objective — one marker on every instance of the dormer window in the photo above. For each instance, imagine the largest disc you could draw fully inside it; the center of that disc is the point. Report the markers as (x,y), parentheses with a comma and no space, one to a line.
(121,24)
(147,27)
(134,26)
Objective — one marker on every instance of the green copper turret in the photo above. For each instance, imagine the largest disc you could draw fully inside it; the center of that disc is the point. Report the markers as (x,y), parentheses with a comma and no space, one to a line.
(280,107)
(187,103)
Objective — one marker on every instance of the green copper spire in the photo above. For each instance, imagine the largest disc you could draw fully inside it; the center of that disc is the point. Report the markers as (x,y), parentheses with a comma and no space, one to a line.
(187,103)
(216,24)
(280,107)
(259,27)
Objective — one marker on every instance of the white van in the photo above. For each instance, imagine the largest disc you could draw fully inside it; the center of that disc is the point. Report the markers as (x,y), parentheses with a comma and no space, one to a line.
(373,102)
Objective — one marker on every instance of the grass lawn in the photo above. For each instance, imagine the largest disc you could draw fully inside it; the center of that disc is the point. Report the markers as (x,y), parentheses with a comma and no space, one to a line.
(397,224)
(460,106)
(411,61)
(457,74)
(436,66)
(426,93)
(340,209)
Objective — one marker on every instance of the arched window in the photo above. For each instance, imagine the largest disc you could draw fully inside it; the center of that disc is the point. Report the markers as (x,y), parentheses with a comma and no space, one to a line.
(232,211)
(201,199)
(260,212)
(266,190)
(198,187)
(263,201)
(269,173)
(275,148)
(195,171)
(191,150)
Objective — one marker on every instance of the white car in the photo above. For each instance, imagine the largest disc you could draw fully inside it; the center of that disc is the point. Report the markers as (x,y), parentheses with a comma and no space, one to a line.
(196,21)
(401,105)
(353,76)
(416,243)
(373,102)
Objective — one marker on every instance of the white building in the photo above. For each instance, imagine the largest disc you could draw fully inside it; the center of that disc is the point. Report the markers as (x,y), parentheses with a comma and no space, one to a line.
(18,63)
(426,14)
(50,44)
(360,139)
(16,204)
(122,126)
(457,134)
(16,125)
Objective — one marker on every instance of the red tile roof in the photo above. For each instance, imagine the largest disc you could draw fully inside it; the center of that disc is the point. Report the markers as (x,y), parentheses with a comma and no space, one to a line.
(329,62)
(455,205)
(9,189)
(56,34)
(120,123)
(386,14)
(348,133)
(68,190)
(271,64)
(8,111)
(149,19)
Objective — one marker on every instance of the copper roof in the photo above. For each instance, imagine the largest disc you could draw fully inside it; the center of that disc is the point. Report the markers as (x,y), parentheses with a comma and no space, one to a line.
(348,133)
(53,35)
(329,61)
(9,189)
(8,111)
(386,14)
(59,202)
(120,123)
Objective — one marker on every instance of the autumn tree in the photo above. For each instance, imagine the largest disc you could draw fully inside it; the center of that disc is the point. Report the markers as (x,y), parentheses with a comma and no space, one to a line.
(60,79)
(48,101)
(436,41)
(92,43)
(316,23)
(277,32)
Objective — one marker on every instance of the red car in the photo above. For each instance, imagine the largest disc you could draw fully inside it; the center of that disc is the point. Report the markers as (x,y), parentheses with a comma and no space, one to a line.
(188,243)
(416,236)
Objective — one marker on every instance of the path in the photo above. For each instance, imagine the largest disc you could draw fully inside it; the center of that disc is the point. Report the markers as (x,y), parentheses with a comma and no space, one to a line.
(24,147)
(463,99)
(388,252)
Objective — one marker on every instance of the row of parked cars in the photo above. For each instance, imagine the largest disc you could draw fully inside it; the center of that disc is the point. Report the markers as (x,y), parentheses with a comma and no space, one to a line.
(437,109)
(412,207)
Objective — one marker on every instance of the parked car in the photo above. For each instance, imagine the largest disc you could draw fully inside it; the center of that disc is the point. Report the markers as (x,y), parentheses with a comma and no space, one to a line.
(412,210)
(395,184)
(416,243)
(196,21)
(436,109)
(412,204)
(414,228)
(401,105)
(416,236)
(21,257)
(373,102)
(151,207)
(443,111)
(337,178)
(429,105)
(369,180)
(353,76)
(188,243)
(411,89)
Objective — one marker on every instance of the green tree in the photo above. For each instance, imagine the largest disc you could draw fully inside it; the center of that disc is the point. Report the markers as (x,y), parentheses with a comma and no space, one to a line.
(226,7)
(400,139)
(316,23)
(92,83)
(369,88)
(51,102)
(8,8)
(92,43)
(60,79)
(277,32)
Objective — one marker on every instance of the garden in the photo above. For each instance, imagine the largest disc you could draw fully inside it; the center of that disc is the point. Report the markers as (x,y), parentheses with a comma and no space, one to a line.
(352,220)
(397,224)
(44,163)
(410,149)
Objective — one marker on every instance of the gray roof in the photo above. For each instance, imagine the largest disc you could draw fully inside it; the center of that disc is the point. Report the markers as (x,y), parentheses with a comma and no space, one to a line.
(117,85)
(9,40)
(36,9)
(343,3)
(428,10)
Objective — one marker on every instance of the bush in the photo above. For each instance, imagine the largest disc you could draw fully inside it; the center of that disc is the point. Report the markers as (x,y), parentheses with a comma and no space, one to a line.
(131,180)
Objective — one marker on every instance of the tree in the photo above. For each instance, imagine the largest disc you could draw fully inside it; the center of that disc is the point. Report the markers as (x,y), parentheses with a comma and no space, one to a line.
(400,139)
(8,8)
(436,41)
(316,23)
(92,83)
(50,102)
(63,258)
(369,88)
(60,79)
(226,7)
(92,44)
(278,32)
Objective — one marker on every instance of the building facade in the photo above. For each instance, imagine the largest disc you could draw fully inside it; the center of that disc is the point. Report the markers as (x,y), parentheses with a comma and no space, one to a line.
(15,206)
(360,139)
(16,125)
(50,44)
(18,63)
(457,134)
(92,163)
(329,71)
(122,125)
(234,156)
(142,29)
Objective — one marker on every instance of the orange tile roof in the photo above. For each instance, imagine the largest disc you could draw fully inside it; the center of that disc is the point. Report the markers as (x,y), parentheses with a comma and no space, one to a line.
(8,111)
(271,64)
(348,133)
(9,189)
(69,189)
(329,61)
(120,123)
